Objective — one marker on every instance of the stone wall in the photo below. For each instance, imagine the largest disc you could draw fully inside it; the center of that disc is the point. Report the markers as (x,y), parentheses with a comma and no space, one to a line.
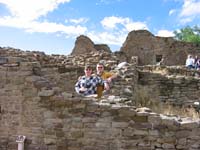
(84,45)
(150,49)
(55,123)
(37,99)
(175,85)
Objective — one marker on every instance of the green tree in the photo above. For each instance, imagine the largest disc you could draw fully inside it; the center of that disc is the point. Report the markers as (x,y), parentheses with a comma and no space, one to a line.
(188,34)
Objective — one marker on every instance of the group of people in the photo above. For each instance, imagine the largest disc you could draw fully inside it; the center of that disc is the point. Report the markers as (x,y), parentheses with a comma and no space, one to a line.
(89,83)
(192,62)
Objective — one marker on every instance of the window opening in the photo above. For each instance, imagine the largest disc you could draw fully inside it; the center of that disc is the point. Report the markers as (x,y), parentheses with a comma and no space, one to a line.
(158,58)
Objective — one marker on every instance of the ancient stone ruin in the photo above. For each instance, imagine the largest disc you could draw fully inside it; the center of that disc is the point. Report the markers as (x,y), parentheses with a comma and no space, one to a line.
(151,49)
(84,45)
(37,100)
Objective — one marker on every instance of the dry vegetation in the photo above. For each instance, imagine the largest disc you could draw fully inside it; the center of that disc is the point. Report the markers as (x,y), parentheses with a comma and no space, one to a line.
(143,100)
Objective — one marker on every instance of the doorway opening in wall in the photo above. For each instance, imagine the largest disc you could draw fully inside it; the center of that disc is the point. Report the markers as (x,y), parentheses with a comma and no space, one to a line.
(158,58)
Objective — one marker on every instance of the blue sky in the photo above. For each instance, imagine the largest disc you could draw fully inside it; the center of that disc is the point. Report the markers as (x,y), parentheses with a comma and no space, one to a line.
(52,26)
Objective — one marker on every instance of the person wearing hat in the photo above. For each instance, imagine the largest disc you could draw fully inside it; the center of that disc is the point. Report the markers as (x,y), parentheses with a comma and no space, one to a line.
(87,84)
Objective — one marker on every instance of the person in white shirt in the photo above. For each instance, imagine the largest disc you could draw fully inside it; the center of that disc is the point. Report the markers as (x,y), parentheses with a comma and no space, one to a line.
(190,62)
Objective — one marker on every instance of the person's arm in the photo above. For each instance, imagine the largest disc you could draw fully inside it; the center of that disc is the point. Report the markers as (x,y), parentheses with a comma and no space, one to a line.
(106,86)
(186,62)
(79,89)
(111,76)
(103,83)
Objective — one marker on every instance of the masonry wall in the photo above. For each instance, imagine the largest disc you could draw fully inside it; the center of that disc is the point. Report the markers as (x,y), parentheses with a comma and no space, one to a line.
(175,85)
(40,103)
(84,125)
(148,47)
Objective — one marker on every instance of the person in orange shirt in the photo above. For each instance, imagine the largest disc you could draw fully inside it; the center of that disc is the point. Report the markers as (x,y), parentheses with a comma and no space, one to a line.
(106,76)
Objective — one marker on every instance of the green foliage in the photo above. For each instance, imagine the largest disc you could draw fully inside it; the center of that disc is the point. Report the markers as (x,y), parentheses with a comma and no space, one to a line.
(188,34)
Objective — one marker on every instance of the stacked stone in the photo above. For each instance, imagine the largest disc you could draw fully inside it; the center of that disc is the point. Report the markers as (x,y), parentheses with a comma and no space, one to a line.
(174,88)
(87,123)
(170,70)
(126,80)
(37,100)
(91,58)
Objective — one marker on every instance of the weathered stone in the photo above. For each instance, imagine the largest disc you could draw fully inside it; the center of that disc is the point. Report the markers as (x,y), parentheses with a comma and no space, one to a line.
(83,45)
(3,60)
(49,141)
(151,49)
(189,124)
(44,107)
(47,93)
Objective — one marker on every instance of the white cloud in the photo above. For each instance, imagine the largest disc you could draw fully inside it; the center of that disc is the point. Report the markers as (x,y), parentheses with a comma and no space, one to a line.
(78,21)
(165,33)
(190,7)
(113,22)
(190,10)
(31,9)
(135,26)
(110,22)
(186,20)
(108,38)
(44,27)
(24,15)
(117,29)
(171,12)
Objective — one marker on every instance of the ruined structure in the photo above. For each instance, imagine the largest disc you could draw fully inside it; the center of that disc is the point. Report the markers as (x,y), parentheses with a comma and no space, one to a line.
(37,99)
(84,45)
(151,49)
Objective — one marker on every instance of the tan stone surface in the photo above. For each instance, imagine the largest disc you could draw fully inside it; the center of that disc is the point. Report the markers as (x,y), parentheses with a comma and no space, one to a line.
(44,107)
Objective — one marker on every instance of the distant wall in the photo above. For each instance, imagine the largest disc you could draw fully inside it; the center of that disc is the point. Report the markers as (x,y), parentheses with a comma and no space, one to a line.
(150,48)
